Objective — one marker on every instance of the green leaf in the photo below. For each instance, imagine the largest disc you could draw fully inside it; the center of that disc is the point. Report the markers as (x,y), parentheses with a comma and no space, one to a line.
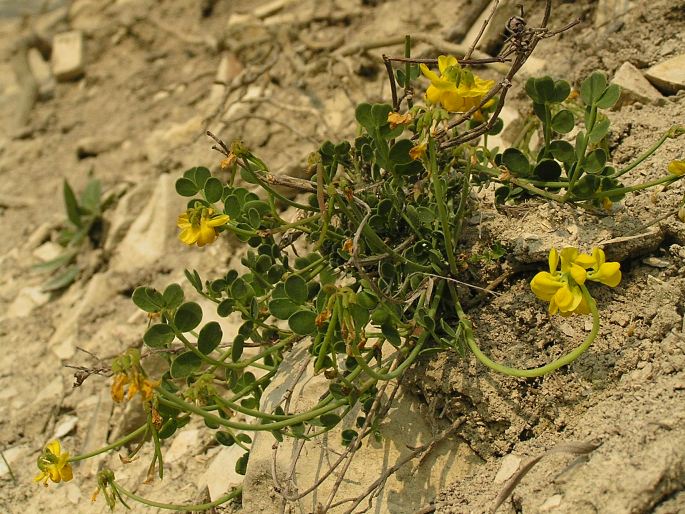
(563,122)
(516,162)
(296,289)
(548,169)
(188,316)
(496,128)
(360,315)
(241,464)
(610,97)
(173,296)
(379,113)
(55,263)
(399,153)
(563,151)
(159,336)
(168,429)
(561,91)
(282,308)
(594,161)
(148,299)
(200,176)
(593,87)
(303,322)
(545,88)
(237,348)
(62,280)
(532,92)
(185,365)
(209,337)
(391,334)
(586,187)
(364,117)
(244,438)
(232,206)
(348,436)
(90,197)
(329,420)
(214,189)
(71,205)
(224,438)
(226,307)
(186,187)
(600,130)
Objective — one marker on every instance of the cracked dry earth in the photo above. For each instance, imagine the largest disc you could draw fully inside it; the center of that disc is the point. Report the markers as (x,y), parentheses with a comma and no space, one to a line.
(284,76)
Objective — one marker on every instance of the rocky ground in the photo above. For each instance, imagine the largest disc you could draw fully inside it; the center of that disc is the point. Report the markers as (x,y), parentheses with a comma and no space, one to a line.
(123,91)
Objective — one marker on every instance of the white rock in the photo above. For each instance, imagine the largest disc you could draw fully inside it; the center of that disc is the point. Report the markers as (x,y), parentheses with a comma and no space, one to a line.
(668,76)
(656,262)
(510,464)
(162,141)
(186,443)
(220,476)
(28,299)
(48,251)
(67,55)
(551,503)
(12,456)
(634,86)
(65,427)
(151,229)
(90,146)
(94,414)
(53,391)
(73,493)
(40,69)
(609,10)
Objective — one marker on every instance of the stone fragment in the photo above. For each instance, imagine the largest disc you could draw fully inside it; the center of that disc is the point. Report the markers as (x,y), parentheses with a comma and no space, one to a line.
(220,476)
(67,56)
(40,69)
(12,456)
(634,86)
(28,299)
(92,146)
(668,76)
(609,10)
(185,444)
(551,503)
(48,251)
(510,463)
(65,427)
(162,141)
(656,262)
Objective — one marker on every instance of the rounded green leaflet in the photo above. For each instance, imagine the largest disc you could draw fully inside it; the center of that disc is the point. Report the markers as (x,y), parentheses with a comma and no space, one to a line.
(303,322)
(173,296)
(609,97)
(214,189)
(516,162)
(282,308)
(296,289)
(209,337)
(237,348)
(563,122)
(148,299)
(224,438)
(168,429)
(547,169)
(186,187)
(329,420)
(185,365)
(594,161)
(188,316)
(593,87)
(159,336)
(563,151)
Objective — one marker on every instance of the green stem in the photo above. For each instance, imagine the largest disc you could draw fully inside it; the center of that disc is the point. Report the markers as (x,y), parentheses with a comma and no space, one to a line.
(542,370)
(644,156)
(179,507)
(668,179)
(246,164)
(116,444)
(442,209)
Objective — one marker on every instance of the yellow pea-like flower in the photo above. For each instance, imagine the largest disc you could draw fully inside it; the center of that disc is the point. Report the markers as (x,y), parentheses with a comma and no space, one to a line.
(54,465)
(198,226)
(676,168)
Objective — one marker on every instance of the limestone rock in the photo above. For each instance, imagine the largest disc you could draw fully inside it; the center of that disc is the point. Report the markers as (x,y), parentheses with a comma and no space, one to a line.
(28,299)
(220,476)
(91,146)
(40,69)
(609,10)
(668,76)
(634,86)
(510,463)
(164,140)
(67,56)
(404,427)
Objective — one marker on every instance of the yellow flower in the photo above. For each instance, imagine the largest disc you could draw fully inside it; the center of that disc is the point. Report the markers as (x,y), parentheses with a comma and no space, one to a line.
(562,288)
(455,89)
(418,152)
(608,273)
(395,119)
(135,383)
(54,465)
(676,168)
(198,226)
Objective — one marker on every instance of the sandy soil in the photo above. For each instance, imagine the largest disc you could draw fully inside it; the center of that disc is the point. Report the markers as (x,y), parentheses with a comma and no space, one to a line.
(149,91)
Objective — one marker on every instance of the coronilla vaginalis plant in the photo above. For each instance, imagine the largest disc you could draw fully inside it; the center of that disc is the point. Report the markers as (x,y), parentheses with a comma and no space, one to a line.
(378,279)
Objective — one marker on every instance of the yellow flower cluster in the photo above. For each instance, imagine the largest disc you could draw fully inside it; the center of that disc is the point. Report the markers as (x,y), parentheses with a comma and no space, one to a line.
(134,382)
(457,90)
(54,464)
(198,226)
(562,288)
(676,168)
